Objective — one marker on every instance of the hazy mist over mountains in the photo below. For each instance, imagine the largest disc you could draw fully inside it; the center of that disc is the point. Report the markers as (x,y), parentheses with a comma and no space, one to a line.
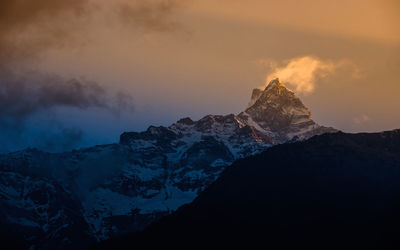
(199,122)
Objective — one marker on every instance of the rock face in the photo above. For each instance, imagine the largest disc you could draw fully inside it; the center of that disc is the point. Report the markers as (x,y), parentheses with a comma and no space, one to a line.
(279,113)
(52,201)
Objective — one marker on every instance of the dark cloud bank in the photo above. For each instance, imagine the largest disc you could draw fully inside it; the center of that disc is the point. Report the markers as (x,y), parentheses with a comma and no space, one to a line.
(23,97)
(27,28)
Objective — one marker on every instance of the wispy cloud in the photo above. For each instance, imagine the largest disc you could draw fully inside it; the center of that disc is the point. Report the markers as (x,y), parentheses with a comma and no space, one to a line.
(150,15)
(27,28)
(358,120)
(302,73)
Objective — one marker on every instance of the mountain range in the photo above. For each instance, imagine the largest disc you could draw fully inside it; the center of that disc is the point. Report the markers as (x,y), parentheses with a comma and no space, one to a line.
(333,191)
(73,199)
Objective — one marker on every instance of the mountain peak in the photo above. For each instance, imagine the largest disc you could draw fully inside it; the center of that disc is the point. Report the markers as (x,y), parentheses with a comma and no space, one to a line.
(274,87)
(278,87)
(257,93)
(280,114)
(274,83)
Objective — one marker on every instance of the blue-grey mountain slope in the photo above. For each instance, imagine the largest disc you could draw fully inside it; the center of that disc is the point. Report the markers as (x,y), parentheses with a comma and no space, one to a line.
(53,200)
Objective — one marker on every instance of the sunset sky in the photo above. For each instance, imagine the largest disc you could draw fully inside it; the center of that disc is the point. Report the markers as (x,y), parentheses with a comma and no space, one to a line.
(151,62)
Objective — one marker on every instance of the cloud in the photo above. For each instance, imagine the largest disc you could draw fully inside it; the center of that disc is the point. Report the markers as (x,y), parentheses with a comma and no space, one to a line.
(24,97)
(27,28)
(58,139)
(150,15)
(30,28)
(17,15)
(358,120)
(302,73)
(21,96)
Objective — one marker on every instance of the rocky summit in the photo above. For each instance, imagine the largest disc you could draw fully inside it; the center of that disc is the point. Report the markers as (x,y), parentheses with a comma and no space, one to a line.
(279,114)
(65,200)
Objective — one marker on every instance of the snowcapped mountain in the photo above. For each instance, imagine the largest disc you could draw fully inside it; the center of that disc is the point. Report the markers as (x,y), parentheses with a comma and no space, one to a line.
(55,200)
(278,113)
(333,191)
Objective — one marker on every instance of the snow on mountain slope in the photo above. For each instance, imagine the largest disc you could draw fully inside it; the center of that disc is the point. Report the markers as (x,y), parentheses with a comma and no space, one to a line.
(109,190)
(281,115)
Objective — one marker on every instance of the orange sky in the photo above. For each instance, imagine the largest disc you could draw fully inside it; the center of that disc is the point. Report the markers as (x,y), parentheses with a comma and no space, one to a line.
(369,19)
(198,57)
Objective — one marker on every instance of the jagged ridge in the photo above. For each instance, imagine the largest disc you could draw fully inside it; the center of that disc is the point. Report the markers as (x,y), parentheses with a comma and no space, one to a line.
(119,188)
(333,191)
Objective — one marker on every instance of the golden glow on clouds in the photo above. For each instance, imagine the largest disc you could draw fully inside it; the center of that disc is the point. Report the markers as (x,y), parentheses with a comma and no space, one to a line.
(303,72)
(173,55)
